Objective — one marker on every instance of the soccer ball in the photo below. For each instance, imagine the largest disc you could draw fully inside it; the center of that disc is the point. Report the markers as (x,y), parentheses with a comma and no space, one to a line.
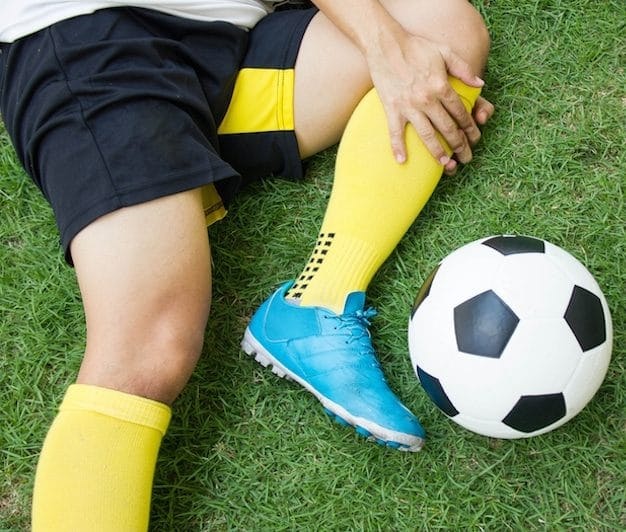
(510,336)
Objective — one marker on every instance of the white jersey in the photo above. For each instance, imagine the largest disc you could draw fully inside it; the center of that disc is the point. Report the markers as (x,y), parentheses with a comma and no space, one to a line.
(19,18)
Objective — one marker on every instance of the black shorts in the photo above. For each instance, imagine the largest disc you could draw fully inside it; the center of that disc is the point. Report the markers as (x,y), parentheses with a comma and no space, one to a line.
(127,105)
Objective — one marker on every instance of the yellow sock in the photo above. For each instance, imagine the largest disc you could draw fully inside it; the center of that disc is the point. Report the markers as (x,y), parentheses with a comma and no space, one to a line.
(96,466)
(373,202)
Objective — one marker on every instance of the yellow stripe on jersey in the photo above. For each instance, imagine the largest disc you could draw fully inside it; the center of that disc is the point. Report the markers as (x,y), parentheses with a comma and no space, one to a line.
(251,109)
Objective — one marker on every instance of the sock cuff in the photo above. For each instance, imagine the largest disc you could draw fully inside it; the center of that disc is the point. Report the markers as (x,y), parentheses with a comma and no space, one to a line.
(119,405)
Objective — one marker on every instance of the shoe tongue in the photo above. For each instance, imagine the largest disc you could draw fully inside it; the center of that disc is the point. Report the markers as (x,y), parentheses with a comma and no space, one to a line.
(355,301)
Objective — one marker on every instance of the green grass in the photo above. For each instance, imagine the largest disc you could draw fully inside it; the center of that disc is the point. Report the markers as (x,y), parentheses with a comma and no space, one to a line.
(247,451)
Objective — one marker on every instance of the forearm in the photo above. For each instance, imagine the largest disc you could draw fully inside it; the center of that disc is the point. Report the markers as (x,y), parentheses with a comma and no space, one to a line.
(365,22)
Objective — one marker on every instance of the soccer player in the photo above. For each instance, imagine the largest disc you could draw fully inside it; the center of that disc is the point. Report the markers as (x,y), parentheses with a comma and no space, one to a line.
(140,120)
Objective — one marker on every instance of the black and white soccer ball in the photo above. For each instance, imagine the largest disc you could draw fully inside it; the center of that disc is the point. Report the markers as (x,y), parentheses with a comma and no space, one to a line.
(510,336)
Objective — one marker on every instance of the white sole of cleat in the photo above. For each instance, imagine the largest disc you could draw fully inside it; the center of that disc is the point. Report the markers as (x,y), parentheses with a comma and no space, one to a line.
(371,431)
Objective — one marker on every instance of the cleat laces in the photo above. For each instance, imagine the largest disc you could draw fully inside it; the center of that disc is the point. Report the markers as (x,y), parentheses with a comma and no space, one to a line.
(356,324)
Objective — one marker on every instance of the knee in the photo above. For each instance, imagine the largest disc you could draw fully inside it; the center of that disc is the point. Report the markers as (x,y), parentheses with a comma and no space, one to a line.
(471,38)
(152,357)
(454,23)
(168,354)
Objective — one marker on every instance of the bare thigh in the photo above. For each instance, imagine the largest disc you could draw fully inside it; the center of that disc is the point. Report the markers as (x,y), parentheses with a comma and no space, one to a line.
(145,279)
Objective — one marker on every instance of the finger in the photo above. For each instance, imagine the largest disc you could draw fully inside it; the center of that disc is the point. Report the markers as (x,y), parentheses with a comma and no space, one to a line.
(397,127)
(459,68)
(450,168)
(483,110)
(461,116)
(428,135)
(455,138)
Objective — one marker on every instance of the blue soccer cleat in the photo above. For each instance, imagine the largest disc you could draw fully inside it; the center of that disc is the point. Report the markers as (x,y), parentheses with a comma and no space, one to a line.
(332,356)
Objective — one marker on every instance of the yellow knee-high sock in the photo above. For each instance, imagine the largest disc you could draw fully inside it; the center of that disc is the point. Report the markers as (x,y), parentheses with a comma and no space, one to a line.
(96,466)
(373,202)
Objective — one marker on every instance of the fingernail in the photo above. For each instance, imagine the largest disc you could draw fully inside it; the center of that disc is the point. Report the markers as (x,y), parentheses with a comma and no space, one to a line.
(444,160)
(400,158)
(480,81)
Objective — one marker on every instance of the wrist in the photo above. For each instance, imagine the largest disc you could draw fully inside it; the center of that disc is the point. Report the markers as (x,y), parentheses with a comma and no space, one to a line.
(365,22)
(379,33)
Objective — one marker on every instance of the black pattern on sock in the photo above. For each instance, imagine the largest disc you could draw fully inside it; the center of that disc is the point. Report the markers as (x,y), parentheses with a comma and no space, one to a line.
(322,247)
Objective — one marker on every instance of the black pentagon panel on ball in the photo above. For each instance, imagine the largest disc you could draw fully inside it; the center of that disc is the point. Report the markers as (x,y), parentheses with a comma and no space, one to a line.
(585,317)
(512,245)
(483,325)
(535,412)
(424,290)
(432,386)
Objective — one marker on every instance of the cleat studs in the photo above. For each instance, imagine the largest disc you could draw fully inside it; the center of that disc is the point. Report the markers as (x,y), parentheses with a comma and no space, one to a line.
(261,360)
(278,371)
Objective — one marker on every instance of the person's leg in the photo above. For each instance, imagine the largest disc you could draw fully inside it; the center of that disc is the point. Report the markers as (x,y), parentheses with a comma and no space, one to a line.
(145,279)
(332,75)
(315,330)
(144,273)
(369,186)
(120,158)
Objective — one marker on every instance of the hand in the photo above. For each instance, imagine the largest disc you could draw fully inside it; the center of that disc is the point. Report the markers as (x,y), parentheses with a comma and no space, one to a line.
(410,74)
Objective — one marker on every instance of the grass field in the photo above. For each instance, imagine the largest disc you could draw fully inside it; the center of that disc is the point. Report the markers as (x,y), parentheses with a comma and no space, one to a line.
(246,451)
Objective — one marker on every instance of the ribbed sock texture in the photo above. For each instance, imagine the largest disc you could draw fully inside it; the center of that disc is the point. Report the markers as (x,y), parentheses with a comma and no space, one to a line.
(373,202)
(97,463)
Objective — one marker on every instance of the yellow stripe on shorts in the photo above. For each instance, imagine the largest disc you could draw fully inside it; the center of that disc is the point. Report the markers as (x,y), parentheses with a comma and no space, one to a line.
(213,205)
(262,101)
